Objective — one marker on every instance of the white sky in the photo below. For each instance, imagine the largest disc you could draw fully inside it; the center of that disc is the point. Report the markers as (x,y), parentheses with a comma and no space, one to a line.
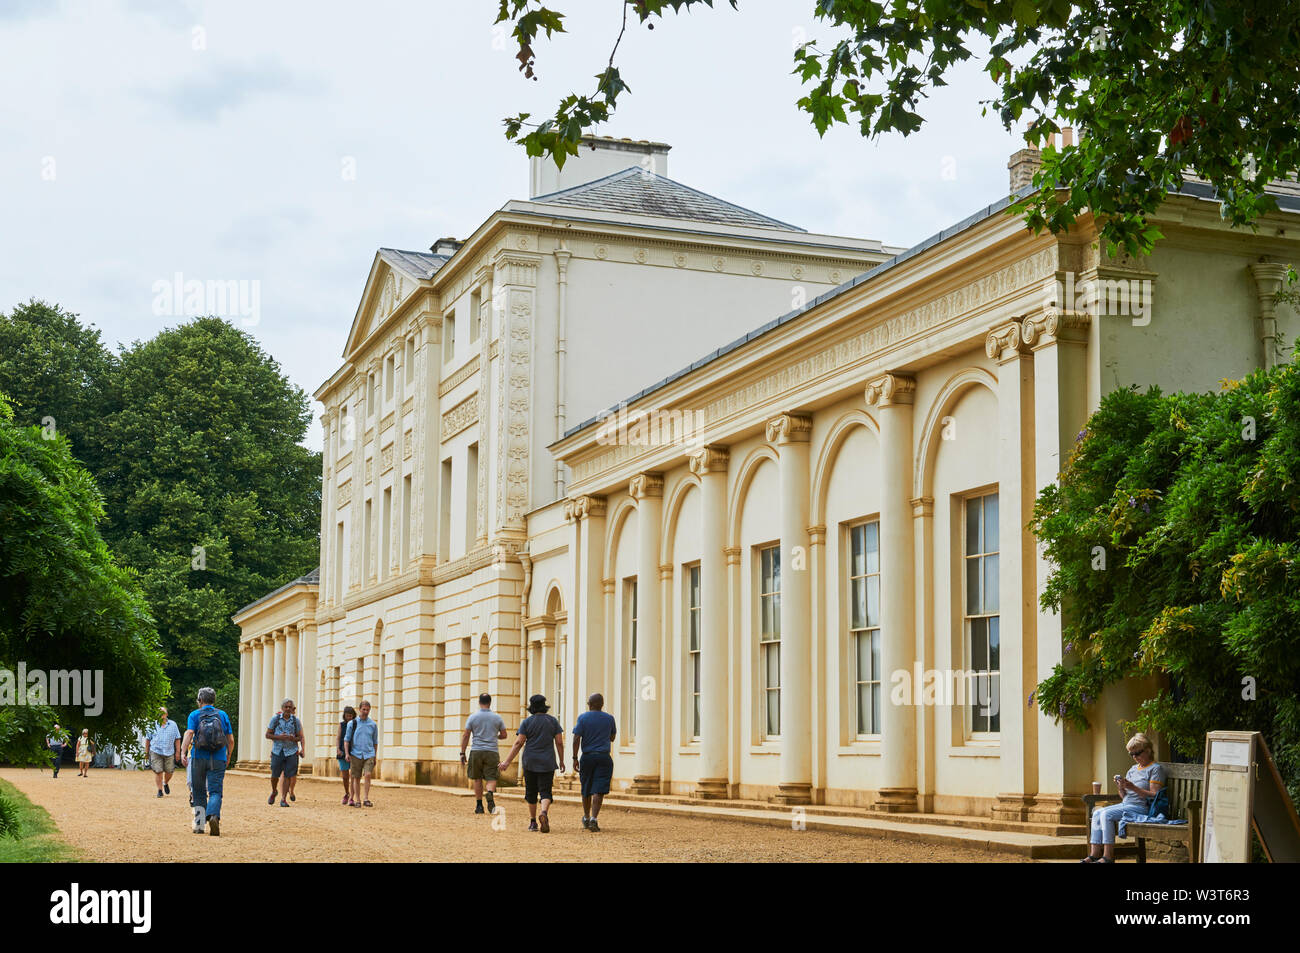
(127,155)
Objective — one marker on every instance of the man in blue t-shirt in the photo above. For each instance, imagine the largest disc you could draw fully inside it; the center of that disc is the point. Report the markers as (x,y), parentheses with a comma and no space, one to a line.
(593,733)
(208,730)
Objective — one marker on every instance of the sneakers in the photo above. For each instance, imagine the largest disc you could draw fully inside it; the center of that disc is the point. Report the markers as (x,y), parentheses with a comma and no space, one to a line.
(593,826)
(544,822)
(586,823)
(284,803)
(167,789)
(532,824)
(291,796)
(271,799)
(160,793)
(478,808)
(492,805)
(347,799)
(200,819)
(214,826)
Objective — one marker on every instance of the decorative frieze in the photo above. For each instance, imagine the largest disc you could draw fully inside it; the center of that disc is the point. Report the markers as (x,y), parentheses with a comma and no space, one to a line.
(464,373)
(859,348)
(461,416)
(408,444)
(344,495)
(386,459)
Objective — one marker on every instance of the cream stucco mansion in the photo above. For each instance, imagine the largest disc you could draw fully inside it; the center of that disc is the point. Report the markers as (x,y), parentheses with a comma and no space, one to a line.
(796,566)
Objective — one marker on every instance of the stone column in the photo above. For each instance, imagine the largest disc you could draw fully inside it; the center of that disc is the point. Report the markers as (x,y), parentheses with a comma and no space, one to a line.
(893,394)
(648,491)
(267,683)
(309,693)
(790,432)
(277,675)
(1268,276)
(1060,345)
(292,685)
(589,656)
(1019,653)
(246,689)
(923,539)
(710,465)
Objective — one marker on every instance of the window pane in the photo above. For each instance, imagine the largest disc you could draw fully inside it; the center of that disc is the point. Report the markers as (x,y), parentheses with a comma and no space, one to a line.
(695,720)
(991,523)
(857,543)
(864,709)
(776,569)
(695,630)
(875,655)
(776,615)
(995,662)
(990,603)
(995,717)
(973,586)
(972,527)
(858,603)
(875,709)
(863,650)
(979,645)
(873,600)
(765,616)
(773,666)
(873,547)
(773,713)
(695,678)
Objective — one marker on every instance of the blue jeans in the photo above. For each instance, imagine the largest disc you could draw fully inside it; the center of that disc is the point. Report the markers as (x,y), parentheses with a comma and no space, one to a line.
(209,778)
(1105,821)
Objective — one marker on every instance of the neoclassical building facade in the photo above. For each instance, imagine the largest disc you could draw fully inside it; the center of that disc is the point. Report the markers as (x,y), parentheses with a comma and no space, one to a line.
(815,584)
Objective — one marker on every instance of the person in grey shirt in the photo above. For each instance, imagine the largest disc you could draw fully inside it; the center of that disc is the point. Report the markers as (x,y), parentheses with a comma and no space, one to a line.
(486,728)
(542,739)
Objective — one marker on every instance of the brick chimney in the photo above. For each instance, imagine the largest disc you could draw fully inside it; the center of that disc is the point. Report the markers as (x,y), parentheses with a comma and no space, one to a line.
(598,156)
(1022,166)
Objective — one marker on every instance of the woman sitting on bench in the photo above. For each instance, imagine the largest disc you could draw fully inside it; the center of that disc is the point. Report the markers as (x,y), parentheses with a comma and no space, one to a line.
(1140,787)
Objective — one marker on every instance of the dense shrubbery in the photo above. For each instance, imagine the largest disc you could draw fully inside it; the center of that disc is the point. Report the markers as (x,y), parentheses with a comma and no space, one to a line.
(1175,530)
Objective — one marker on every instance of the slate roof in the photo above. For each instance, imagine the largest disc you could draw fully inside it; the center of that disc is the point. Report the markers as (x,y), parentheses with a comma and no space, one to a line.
(642,192)
(311,579)
(418,264)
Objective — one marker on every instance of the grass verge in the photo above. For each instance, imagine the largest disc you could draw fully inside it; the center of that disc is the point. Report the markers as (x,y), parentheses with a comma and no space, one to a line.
(38,840)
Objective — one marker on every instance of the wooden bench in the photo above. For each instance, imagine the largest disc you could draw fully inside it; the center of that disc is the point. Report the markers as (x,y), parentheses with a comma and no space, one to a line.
(1183,782)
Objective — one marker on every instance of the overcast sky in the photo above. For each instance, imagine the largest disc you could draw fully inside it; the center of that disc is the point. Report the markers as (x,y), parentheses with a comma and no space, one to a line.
(282,143)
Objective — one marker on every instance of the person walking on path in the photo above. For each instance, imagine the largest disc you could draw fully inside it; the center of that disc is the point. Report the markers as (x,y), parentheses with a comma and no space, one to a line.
(542,739)
(486,728)
(287,745)
(361,744)
(209,739)
(162,749)
(85,753)
(345,769)
(593,733)
(56,741)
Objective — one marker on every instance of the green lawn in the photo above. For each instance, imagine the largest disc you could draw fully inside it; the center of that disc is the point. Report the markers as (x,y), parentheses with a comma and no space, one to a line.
(38,840)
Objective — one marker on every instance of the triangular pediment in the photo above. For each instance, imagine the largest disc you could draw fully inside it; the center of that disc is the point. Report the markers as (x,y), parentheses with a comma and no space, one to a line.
(394,276)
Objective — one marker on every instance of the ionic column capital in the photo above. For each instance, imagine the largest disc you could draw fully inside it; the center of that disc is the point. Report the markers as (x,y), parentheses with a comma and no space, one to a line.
(789,428)
(922,507)
(891,389)
(1003,343)
(585,507)
(710,459)
(1053,326)
(733,555)
(646,486)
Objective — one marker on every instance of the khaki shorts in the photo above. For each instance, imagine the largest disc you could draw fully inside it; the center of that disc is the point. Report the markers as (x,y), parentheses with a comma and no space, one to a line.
(162,763)
(483,765)
(362,766)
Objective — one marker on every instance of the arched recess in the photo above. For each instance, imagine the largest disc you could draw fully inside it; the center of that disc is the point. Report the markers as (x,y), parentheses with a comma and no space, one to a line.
(931,433)
(674,508)
(839,432)
(554,599)
(614,530)
(745,476)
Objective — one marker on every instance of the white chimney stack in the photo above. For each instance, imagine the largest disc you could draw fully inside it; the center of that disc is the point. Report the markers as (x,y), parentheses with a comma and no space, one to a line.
(598,156)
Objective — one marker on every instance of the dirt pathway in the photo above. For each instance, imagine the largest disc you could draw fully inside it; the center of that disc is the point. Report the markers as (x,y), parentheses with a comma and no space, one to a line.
(114,816)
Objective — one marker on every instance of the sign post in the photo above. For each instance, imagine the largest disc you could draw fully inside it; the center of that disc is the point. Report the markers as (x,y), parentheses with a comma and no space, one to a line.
(1243,792)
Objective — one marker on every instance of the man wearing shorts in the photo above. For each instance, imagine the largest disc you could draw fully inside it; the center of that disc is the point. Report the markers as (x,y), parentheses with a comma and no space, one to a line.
(593,733)
(485,727)
(285,734)
(542,739)
(162,748)
(361,744)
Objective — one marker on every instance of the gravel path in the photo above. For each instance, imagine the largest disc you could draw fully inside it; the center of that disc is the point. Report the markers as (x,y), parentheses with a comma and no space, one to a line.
(114,816)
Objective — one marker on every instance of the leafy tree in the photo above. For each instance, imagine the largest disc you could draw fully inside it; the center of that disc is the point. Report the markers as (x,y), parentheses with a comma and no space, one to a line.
(58,375)
(1159,87)
(1175,533)
(210,496)
(67,604)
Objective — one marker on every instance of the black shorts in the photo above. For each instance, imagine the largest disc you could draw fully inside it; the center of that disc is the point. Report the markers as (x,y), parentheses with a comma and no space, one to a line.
(537,785)
(595,773)
(286,764)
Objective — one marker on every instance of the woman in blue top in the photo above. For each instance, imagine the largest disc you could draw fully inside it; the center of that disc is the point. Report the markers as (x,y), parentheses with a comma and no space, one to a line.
(1139,787)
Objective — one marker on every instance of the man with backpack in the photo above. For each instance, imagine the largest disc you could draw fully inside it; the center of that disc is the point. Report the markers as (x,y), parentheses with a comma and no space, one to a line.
(208,729)
(285,734)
